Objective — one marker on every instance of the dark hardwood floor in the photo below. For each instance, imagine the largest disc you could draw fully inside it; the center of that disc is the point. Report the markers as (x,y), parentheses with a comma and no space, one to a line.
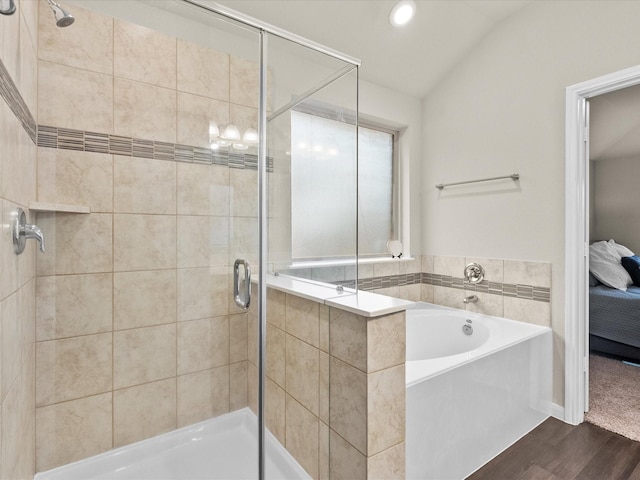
(558,451)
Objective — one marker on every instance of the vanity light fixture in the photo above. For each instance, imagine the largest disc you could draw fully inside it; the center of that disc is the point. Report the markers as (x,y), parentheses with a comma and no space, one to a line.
(402,12)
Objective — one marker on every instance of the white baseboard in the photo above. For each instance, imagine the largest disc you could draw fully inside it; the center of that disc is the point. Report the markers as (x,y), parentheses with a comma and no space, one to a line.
(557,411)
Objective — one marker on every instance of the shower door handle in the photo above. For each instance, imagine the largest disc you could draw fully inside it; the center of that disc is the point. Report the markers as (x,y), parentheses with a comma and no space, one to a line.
(242,302)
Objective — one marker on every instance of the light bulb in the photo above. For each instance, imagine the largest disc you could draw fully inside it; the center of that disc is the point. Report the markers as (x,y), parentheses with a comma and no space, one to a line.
(402,13)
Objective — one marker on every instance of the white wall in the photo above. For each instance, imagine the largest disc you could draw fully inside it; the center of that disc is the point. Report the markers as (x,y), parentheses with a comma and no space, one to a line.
(616,200)
(501,110)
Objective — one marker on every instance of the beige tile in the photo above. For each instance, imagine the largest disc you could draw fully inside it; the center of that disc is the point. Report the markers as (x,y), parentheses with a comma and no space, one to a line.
(276,308)
(389,291)
(144,242)
(244,192)
(143,185)
(323,388)
(413,265)
(75,178)
(18,428)
(275,409)
(537,274)
(27,80)
(143,355)
(388,465)
(237,386)
(142,299)
(73,368)
(427,263)
(448,297)
(9,261)
(412,293)
(243,240)
(345,462)
(303,373)
(348,338)
(244,118)
(143,411)
(69,97)
(243,82)
(529,311)
(195,113)
(493,269)
(72,305)
(11,353)
(202,293)
(144,111)
(88,45)
(203,344)
(386,339)
(303,319)
(386,409)
(302,436)
(202,241)
(76,243)
(252,387)
(276,354)
(238,331)
(386,269)
(348,403)
(144,55)
(323,452)
(70,431)
(203,71)
(27,314)
(426,293)
(203,189)
(452,266)
(487,304)
(252,341)
(324,328)
(203,395)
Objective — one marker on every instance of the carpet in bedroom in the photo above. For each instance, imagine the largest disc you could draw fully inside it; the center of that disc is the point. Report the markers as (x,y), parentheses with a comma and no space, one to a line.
(614,396)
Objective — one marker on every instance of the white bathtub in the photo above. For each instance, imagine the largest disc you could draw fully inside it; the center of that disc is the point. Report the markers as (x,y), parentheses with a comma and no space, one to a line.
(469,397)
(224,448)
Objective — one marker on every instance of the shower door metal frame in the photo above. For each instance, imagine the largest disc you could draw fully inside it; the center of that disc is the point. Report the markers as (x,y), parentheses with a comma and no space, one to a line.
(264,30)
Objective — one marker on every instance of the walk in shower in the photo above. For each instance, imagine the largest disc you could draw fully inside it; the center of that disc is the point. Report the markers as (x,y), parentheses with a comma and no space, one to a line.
(174,142)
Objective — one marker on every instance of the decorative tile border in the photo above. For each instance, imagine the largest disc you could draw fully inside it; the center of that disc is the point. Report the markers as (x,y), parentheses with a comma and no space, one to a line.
(80,140)
(16,103)
(528,292)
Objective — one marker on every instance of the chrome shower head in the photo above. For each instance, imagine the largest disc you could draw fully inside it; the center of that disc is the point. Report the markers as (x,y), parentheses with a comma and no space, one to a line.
(63,18)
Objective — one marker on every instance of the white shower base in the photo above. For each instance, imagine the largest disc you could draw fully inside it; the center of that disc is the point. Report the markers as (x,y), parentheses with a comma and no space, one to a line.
(224,448)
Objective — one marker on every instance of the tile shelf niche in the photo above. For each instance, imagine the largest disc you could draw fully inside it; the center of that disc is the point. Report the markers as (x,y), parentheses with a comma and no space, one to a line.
(58,207)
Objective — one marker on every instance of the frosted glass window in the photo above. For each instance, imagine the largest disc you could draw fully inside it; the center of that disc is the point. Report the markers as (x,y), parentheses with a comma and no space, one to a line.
(323,188)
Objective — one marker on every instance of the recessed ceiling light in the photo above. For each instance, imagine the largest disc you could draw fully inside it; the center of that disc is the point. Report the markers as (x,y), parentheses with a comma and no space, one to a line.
(402,13)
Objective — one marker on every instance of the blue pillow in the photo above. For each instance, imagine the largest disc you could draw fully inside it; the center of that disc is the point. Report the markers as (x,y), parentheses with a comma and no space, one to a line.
(632,265)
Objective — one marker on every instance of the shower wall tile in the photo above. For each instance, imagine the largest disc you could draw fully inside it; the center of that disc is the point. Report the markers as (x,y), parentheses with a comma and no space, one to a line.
(144,186)
(252,387)
(144,411)
(144,242)
(453,266)
(243,234)
(527,273)
(145,298)
(276,308)
(345,462)
(244,82)
(238,386)
(203,241)
(76,243)
(144,55)
(348,338)
(202,395)
(73,368)
(80,178)
(413,293)
(194,115)
(75,98)
(90,47)
(388,465)
(427,293)
(324,329)
(203,189)
(385,269)
(386,340)
(303,373)
(203,344)
(302,435)
(9,261)
(448,297)
(303,319)
(202,71)
(11,345)
(276,354)
(323,388)
(202,293)
(73,305)
(487,304)
(74,430)
(143,355)
(27,80)
(144,111)
(238,337)
(8,48)
(323,451)
(243,186)
(243,117)
(386,409)
(348,403)
(275,409)
(493,269)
